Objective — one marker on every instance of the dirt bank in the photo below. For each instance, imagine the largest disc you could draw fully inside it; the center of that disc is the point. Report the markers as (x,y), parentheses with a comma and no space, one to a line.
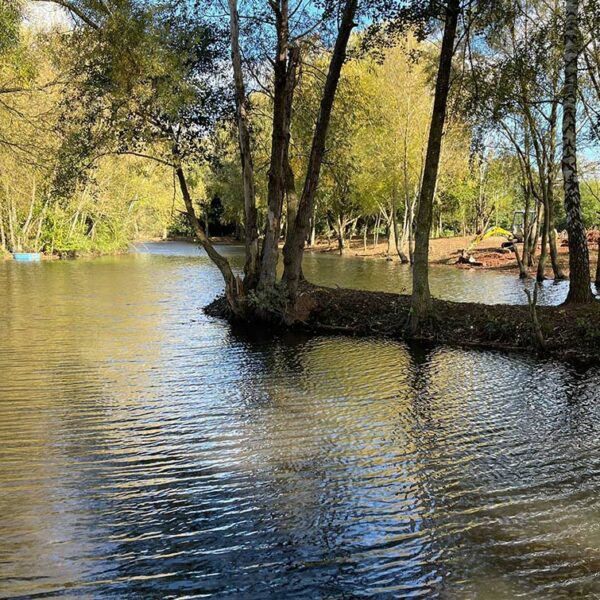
(569,333)
(445,251)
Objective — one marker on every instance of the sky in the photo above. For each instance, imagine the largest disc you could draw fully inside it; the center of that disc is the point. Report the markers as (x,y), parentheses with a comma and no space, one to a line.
(45,15)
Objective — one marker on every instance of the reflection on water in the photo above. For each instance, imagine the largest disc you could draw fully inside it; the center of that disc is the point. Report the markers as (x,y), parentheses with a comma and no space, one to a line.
(449,283)
(149,451)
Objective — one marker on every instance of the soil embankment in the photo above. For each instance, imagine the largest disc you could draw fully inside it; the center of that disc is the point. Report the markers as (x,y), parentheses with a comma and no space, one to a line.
(571,333)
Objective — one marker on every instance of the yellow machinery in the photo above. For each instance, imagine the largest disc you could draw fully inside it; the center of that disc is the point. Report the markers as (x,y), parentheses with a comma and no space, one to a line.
(487,234)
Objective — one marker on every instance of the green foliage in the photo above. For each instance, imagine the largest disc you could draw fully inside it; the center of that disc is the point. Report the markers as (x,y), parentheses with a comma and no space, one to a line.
(10,24)
(151,79)
(590,202)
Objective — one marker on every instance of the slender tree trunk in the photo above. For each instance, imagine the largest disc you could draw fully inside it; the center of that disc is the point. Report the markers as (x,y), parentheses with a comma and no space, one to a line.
(537,225)
(421,295)
(11,222)
(598,269)
(38,234)
(556,270)
(353,224)
(411,221)
(552,172)
(579,261)
(523,274)
(279,138)
(294,246)
(391,232)
(241,103)
(2,233)
(403,258)
(522,268)
(291,194)
(341,227)
(232,284)
(28,220)
(541,267)
(408,217)
(291,197)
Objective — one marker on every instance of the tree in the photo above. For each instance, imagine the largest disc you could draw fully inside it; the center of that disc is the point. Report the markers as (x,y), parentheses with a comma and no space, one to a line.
(243,127)
(421,295)
(294,244)
(285,60)
(579,261)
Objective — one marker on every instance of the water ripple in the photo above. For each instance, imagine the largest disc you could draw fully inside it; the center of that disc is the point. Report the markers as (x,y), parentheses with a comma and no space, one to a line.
(149,451)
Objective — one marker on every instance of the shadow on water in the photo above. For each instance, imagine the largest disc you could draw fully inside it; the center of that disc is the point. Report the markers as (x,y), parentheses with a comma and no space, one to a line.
(147,450)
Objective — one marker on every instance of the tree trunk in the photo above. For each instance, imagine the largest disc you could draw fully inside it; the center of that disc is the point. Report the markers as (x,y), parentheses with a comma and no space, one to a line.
(394,230)
(341,226)
(352,231)
(551,175)
(294,246)
(279,138)
(232,284)
(411,222)
(38,234)
(526,233)
(598,269)
(533,239)
(403,258)
(313,229)
(522,268)
(579,261)
(421,295)
(241,104)
(557,271)
(11,222)
(291,197)
(2,233)
(541,267)
(391,232)
(290,180)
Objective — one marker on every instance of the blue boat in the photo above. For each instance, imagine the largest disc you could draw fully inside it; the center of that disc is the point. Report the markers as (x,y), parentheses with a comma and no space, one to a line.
(27,256)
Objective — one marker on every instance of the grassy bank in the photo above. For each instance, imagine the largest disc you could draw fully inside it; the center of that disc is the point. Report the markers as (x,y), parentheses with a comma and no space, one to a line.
(568,333)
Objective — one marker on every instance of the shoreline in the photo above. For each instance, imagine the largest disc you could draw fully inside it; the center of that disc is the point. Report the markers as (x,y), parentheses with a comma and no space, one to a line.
(446,251)
(571,334)
(443,252)
(70,255)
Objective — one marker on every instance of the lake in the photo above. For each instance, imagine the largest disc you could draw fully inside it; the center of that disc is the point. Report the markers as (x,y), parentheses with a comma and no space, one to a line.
(150,451)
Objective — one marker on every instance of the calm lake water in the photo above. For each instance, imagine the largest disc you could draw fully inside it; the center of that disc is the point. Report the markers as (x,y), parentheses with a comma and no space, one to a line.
(149,451)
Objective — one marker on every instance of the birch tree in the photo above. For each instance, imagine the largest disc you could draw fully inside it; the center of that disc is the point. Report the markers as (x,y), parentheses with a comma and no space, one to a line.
(579,261)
